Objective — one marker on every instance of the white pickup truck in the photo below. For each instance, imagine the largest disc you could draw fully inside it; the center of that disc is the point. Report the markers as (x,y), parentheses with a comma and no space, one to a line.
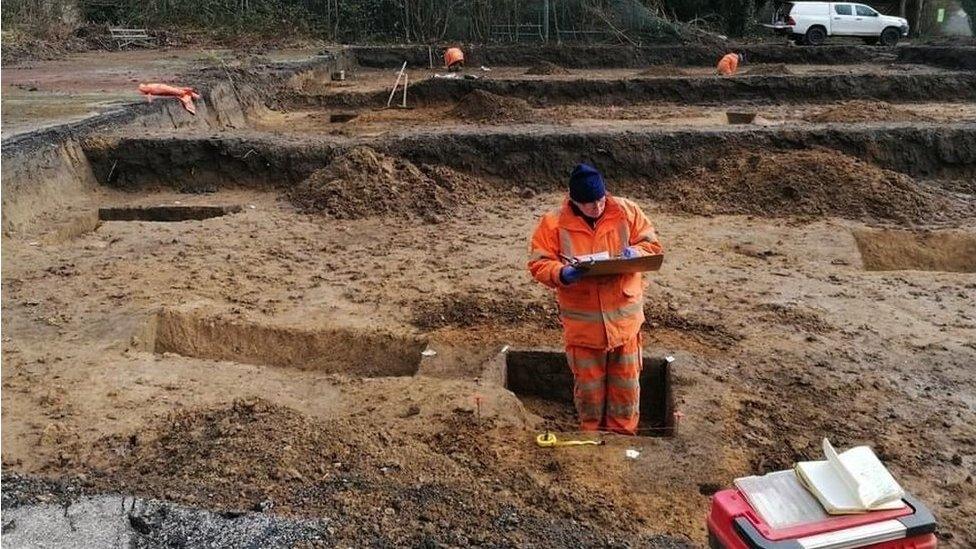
(812,22)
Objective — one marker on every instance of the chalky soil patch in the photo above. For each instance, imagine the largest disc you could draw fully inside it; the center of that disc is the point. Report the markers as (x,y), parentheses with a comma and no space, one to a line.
(365,353)
(544,383)
(896,250)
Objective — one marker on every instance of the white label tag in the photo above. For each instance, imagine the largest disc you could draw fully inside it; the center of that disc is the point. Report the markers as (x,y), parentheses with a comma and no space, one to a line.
(600,256)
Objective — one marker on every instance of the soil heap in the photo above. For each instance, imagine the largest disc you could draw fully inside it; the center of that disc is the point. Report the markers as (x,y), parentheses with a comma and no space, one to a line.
(816,181)
(376,487)
(663,70)
(364,183)
(546,68)
(865,111)
(482,106)
(776,69)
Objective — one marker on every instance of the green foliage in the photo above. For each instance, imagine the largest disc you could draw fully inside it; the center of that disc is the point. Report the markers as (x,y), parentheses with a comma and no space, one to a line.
(969,6)
(41,19)
(422,21)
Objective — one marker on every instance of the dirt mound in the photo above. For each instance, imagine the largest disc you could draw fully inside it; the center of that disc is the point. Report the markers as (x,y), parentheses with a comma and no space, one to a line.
(663,70)
(365,183)
(546,68)
(232,454)
(373,486)
(775,69)
(865,111)
(815,181)
(482,106)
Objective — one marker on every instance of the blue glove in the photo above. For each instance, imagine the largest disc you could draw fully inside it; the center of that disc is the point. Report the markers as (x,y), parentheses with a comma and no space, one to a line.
(570,274)
(630,252)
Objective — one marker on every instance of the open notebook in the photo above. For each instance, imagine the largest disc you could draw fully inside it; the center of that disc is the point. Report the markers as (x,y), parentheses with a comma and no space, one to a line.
(854,481)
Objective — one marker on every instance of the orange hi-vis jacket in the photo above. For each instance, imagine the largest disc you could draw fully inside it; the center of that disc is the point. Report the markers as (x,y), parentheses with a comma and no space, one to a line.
(601,312)
(452,56)
(728,64)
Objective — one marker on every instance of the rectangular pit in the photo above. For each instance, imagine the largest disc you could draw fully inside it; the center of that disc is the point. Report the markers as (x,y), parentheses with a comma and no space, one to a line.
(365,353)
(165,213)
(544,382)
(898,250)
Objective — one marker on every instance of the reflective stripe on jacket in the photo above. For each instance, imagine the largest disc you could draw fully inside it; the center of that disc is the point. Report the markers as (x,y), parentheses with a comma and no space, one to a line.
(599,312)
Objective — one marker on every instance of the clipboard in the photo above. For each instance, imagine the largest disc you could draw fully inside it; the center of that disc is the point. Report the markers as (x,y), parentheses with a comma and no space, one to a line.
(622,266)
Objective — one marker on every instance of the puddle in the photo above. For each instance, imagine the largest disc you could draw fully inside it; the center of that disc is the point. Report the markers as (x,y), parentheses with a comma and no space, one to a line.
(894,250)
(165,213)
(544,383)
(365,353)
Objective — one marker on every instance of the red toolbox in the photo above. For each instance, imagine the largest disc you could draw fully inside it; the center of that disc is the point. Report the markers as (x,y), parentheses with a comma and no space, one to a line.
(733,524)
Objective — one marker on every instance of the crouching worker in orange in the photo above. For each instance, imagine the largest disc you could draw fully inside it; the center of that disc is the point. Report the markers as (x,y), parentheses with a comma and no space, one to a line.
(454,59)
(601,316)
(729,64)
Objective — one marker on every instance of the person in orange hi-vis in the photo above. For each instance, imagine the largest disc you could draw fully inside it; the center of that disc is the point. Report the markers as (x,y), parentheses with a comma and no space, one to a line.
(729,63)
(601,316)
(454,59)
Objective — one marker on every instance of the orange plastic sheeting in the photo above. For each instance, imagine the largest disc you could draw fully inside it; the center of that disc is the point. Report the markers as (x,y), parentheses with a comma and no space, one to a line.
(185,95)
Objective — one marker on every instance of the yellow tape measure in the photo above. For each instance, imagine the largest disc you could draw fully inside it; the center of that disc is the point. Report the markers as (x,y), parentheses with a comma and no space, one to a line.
(549,440)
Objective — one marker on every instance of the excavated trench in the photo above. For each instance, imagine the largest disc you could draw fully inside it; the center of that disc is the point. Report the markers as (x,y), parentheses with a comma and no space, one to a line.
(601,56)
(365,353)
(896,250)
(895,87)
(530,156)
(165,213)
(544,383)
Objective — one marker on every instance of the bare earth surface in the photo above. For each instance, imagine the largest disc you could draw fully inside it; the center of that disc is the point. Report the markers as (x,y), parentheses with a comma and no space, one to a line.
(780,337)
(44,93)
(324,350)
(591,117)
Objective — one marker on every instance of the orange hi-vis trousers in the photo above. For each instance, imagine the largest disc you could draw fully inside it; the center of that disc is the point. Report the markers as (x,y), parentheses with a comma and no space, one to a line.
(607,388)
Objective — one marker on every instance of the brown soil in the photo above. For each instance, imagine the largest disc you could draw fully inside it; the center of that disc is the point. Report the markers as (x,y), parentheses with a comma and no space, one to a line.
(865,111)
(663,70)
(482,106)
(780,337)
(365,183)
(546,68)
(746,306)
(887,250)
(253,455)
(814,181)
(775,69)
(464,310)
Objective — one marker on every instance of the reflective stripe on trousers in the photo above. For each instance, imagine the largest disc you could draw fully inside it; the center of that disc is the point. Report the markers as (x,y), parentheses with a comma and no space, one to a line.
(607,386)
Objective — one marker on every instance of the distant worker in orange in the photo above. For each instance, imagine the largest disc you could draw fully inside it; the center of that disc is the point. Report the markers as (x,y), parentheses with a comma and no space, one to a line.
(602,315)
(728,64)
(454,59)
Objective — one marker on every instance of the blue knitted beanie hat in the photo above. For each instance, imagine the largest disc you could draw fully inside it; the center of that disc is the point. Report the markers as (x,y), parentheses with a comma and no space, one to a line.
(586,184)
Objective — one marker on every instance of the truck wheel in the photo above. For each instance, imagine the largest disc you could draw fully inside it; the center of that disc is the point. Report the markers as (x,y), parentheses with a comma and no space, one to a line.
(890,36)
(816,36)
(870,41)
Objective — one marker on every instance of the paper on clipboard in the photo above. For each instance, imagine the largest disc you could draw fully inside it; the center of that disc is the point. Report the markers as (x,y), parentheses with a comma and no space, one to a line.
(622,266)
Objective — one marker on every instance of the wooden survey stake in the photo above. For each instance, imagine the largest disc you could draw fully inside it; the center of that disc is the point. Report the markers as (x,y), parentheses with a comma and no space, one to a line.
(622,266)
